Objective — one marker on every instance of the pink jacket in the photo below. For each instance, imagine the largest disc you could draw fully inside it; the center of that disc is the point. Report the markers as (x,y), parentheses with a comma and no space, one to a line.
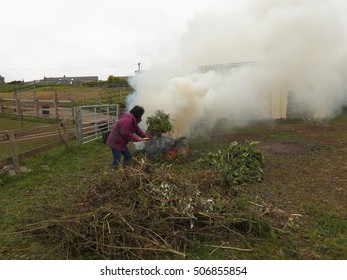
(123,131)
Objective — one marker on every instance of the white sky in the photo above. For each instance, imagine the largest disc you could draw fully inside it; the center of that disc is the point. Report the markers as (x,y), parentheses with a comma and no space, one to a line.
(83,37)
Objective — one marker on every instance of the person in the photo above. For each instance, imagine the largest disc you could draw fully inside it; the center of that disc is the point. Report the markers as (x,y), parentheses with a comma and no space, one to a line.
(123,132)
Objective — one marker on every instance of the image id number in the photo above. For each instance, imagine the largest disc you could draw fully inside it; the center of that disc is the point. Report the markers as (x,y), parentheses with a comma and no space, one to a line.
(220,270)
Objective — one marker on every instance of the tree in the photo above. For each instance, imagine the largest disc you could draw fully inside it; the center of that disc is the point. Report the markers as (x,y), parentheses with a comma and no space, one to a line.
(114,81)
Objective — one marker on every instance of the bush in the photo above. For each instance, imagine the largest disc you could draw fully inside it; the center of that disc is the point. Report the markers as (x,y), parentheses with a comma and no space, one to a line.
(114,81)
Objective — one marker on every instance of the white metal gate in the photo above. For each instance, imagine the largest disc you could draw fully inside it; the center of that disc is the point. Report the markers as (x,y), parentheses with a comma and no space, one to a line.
(94,121)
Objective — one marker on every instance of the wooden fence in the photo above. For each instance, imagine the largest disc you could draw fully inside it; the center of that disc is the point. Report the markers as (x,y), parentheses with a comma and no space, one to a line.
(58,108)
(58,134)
(17,144)
(60,104)
(90,124)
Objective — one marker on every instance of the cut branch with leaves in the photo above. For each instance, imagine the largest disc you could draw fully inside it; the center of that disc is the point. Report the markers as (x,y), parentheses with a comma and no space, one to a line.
(159,123)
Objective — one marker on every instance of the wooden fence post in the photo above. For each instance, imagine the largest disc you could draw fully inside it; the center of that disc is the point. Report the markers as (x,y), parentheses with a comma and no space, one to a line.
(56,105)
(72,104)
(65,137)
(36,104)
(15,96)
(78,125)
(1,106)
(14,152)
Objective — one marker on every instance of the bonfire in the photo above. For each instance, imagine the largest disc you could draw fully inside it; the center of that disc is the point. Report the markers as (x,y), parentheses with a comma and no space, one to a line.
(159,127)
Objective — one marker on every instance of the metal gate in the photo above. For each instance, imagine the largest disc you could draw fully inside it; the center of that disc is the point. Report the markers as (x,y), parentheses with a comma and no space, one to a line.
(94,122)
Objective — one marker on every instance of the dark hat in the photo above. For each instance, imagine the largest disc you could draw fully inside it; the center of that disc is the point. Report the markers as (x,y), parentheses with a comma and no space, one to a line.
(137,111)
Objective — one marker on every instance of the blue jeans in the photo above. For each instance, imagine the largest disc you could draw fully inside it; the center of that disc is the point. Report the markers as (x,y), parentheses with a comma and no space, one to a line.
(117,156)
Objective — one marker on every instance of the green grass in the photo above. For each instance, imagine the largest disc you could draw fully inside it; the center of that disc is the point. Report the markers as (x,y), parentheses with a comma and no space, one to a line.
(10,122)
(31,197)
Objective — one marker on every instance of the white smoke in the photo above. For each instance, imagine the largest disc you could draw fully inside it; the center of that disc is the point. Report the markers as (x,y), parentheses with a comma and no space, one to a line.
(298,45)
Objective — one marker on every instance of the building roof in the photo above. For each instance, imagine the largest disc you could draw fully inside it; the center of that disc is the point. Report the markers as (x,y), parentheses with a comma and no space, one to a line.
(67,80)
(81,78)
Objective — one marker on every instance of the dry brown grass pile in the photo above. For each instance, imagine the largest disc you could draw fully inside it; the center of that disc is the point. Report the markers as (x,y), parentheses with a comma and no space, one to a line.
(147,212)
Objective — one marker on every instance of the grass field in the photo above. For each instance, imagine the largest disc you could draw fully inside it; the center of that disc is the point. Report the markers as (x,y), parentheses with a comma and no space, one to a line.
(82,95)
(302,196)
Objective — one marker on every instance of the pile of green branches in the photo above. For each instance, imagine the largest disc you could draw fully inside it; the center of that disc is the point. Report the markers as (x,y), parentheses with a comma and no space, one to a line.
(240,163)
(147,212)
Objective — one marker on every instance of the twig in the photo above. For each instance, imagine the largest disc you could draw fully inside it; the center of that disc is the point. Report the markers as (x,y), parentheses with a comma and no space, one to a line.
(222,247)
(229,248)
(121,216)
(256,204)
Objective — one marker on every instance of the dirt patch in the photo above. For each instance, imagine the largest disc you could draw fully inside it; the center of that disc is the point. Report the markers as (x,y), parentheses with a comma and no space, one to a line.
(319,133)
(264,144)
(236,137)
(281,148)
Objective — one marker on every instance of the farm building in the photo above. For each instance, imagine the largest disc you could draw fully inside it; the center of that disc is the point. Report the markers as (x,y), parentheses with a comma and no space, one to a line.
(67,80)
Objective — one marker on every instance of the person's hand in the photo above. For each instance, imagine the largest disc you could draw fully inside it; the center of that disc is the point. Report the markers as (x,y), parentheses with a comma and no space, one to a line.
(136,139)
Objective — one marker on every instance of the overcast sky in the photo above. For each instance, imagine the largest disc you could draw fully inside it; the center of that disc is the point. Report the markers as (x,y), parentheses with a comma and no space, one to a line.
(83,37)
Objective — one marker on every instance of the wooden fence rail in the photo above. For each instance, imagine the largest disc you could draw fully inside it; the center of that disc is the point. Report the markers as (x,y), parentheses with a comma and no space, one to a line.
(59,132)
(38,107)
(60,103)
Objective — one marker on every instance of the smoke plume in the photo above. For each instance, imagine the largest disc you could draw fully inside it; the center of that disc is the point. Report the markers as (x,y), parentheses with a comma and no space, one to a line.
(296,46)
